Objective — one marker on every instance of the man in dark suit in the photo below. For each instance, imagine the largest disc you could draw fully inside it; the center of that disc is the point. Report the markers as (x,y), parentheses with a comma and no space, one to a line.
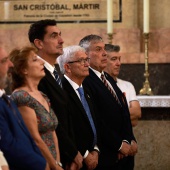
(74,64)
(16,142)
(113,69)
(113,117)
(46,37)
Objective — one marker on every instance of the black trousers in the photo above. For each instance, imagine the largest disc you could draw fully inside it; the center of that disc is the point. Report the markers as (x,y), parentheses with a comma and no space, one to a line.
(116,166)
(126,163)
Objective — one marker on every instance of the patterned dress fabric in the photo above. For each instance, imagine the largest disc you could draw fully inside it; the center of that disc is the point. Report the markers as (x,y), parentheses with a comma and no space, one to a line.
(47,121)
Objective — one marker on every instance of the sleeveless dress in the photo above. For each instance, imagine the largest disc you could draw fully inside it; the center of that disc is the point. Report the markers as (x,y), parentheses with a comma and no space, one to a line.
(47,121)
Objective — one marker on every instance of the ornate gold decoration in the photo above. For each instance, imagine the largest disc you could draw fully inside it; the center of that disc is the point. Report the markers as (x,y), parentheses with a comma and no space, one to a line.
(146,90)
(110,37)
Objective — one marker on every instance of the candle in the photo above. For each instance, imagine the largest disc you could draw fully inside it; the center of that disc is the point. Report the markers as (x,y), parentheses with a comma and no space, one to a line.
(109,16)
(6,10)
(146,16)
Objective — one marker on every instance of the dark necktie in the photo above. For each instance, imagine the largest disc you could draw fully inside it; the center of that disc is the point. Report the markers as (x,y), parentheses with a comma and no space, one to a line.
(87,109)
(57,77)
(109,88)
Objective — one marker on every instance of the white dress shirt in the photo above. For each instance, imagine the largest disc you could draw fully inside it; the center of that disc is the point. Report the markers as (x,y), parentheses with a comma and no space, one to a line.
(2,91)
(2,160)
(75,87)
(48,66)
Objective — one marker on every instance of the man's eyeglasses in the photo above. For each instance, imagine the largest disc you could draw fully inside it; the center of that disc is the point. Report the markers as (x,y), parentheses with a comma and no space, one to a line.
(81,61)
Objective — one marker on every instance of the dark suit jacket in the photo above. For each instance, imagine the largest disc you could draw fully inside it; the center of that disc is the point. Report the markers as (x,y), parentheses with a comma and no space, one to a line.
(59,103)
(15,141)
(80,128)
(113,120)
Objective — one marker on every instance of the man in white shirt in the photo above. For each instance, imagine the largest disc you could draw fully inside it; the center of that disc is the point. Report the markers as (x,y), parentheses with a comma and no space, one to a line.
(46,36)
(74,64)
(118,143)
(113,68)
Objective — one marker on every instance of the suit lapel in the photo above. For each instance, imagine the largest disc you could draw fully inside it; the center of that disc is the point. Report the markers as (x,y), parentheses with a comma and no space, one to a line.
(52,81)
(70,91)
(50,78)
(119,93)
(98,81)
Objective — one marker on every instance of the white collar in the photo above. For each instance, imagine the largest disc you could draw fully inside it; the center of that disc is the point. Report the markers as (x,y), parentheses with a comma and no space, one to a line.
(73,84)
(2,91)
(48,66)
(97,72)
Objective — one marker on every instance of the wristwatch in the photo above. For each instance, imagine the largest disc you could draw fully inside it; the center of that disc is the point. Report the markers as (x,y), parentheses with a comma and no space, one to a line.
(59,163)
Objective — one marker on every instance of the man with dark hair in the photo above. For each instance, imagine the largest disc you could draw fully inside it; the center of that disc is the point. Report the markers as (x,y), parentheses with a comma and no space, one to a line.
(46,37)
(113,69)
(113,117)
(110,48)
(16,142)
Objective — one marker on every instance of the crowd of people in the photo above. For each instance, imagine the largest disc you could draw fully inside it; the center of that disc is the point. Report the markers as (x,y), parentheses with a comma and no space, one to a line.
(68,109)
